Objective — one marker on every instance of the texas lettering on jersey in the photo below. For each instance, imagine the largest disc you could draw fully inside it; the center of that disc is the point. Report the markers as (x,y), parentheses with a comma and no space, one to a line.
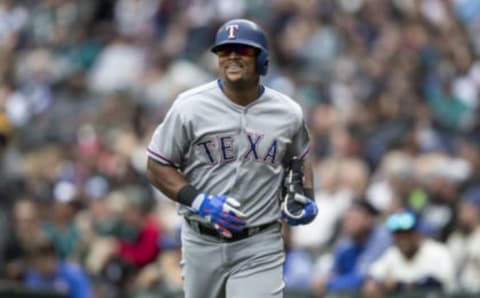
(252,146)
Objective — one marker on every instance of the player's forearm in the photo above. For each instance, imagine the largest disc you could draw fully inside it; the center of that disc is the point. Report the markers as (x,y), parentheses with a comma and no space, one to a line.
(165,178)
(308,177)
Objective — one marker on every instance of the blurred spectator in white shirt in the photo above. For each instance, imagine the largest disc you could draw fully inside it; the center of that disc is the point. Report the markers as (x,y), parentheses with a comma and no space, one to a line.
(13,18)
(118,67)
(464,243)
(393,181)
(413,263)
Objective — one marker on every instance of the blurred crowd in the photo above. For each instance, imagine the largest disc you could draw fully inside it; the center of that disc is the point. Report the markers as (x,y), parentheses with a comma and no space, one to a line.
(390,88)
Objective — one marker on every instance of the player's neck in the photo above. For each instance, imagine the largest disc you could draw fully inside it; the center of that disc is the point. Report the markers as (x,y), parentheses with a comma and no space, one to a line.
(241,94)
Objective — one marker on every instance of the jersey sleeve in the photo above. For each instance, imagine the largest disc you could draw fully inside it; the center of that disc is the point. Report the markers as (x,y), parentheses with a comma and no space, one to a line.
(170,140)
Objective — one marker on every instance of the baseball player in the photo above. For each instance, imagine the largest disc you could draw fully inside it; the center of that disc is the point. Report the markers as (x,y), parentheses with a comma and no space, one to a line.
(221,152)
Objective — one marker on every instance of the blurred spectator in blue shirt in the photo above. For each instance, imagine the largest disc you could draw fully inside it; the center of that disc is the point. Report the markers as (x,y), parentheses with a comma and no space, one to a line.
(365,242)
(46,272)
(298,266)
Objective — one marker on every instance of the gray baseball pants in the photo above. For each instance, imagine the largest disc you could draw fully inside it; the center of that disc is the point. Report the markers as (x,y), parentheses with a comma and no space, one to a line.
(248,268)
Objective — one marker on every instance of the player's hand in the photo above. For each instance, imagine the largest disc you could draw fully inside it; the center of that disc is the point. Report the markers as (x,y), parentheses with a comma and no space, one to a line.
(221,211)
(297,209)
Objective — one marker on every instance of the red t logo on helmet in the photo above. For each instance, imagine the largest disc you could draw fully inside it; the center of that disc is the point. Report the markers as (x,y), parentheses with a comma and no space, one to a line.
(231,30)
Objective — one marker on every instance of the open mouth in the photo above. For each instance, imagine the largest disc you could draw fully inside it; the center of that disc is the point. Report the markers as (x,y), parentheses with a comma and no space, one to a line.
(233,67)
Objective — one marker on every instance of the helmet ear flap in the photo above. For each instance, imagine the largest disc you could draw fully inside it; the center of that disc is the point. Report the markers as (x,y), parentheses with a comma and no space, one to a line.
(262,63)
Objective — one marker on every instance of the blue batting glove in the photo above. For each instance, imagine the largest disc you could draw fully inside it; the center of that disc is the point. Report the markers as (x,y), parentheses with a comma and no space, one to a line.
(221,211)
(297,209)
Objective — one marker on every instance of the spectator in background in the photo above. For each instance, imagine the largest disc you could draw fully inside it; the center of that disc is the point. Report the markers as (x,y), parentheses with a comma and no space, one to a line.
(143,247)
(26,234)
(393,182)
(13,18)
(442,177)
(163,277)
(413,263)
(62,230)
(299,264)
(469,150)
(340,180)
(47,272)
(138,236)
(10,173)
(10,166)
(96,224)
(364,243)
(6,130)
(464,243)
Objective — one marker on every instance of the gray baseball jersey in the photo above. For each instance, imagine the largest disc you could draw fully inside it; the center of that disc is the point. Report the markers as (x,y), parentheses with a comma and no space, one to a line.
(224,148)
(239,151)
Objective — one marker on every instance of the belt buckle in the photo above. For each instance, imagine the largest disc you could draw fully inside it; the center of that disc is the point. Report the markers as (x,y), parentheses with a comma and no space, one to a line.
(195,225)
(252,231)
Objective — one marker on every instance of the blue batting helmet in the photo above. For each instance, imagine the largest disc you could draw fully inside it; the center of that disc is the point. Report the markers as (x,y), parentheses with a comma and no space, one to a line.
(241,31)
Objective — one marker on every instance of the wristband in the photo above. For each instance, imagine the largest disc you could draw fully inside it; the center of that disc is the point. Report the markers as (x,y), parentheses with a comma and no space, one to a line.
(308,192)
(187,194)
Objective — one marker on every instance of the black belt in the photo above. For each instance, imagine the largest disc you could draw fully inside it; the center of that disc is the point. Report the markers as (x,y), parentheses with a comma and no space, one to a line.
(210,231)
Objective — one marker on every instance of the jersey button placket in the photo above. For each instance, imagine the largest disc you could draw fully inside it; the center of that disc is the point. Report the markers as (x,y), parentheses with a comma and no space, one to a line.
(243,121)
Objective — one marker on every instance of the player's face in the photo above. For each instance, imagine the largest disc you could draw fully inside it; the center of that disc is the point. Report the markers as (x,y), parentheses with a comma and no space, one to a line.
(237,63)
